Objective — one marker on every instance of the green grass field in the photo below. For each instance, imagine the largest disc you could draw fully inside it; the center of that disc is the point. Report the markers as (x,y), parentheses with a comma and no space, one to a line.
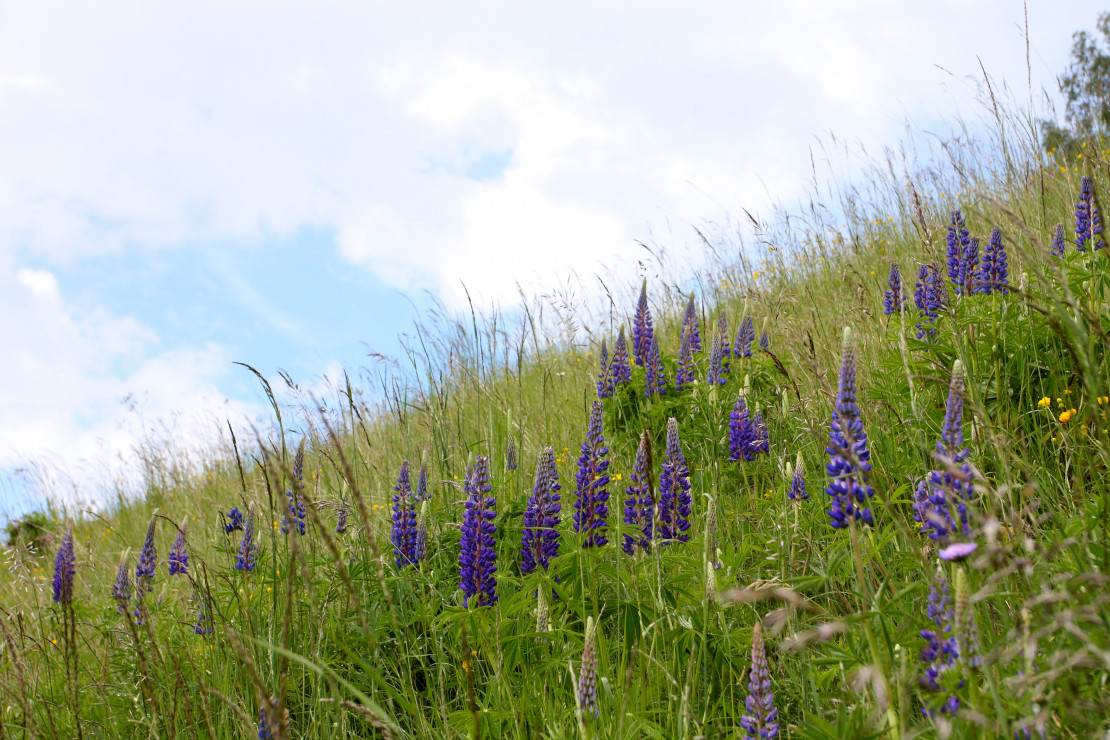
(328,637)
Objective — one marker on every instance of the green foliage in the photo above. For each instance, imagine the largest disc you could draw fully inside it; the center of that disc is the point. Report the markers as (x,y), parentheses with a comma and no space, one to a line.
(1086,89)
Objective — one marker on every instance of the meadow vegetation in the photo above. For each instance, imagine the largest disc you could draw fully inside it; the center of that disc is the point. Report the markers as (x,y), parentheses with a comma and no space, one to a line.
(884,512)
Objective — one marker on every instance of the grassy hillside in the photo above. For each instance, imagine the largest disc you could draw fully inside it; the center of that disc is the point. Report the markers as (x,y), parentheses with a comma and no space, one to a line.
(328,636)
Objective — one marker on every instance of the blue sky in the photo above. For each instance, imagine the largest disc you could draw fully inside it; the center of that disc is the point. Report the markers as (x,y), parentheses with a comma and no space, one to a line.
(186,185)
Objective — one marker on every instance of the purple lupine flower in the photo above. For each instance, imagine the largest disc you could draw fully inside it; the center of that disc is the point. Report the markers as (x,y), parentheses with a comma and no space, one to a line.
(940,649)
(969,270)
(726,342)
(717,366)
(605,384)
(264,731)
(121,589)
(148,560)
(684,374)
(341,519)
(958,239)
(1058,241)
(1088,217)
(761,442)
(587,676)
(65,568)
(941,501)
(849,463)
(639,508)
(539,543)
(765,340)
(422,484)
(179,555)
(691,326)
(592,504)
(994,272)
(746,434)
(642,332)
(892,297)
(655,379)
(477,547)
(760,721)
(203,626)
(403,532)
(928,298)
(798,491)
(234,520)
(619,370)
(248,549)
(965,627)
(674,490)
(295,512)
(744,338)
(510,453)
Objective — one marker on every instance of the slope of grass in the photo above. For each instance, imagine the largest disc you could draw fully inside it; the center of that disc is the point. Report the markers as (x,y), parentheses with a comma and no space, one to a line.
(331,638)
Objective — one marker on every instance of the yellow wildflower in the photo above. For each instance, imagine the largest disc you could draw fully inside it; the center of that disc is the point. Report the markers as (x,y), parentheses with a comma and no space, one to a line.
(1044,403)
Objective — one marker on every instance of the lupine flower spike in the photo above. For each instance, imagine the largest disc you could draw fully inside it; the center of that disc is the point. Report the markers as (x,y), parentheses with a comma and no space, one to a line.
(655,379)
(203,626)
(684,375)
(994,273)
(642,332)
(1058,241)
(726,342)
(958,239)
(940,644)
(941,501)
(928,297)
(265,732)
(540,540)
(747,435)
(64,568)
(966,628)
(1088,217)
(798,482)
(691,326)
(179,555)
(296,511)
(121,589)
(592,503)
(674,490)
(148,560)
(761,720)
(248,549)
(849,463)
(892,297)
(478,553)
(744,338)
(765,340)
(620,372)
(403,532)
(639,509)
(341,522)
(234,520)
(605,384)
(970,267)
(422,484)
(587,676)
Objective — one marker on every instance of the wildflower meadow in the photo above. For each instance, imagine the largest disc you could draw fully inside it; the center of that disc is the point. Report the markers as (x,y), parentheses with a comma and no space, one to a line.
(848,481)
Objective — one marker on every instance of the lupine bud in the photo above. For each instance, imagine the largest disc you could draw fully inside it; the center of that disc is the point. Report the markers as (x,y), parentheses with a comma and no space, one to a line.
(179,555)
(684,375)
(605,384)
(295,513)
(478,553)
(690,325)
(65,568)
(543,616)
(587,676)
(717,371)
(592,502)
(121,589)
(510,453)
(744,338)
(655,379)
(798,491)
(849,463)
(674,490)
(761,720)
(966,627)
(620,371)
(540,539)
(148,560)
(422,484)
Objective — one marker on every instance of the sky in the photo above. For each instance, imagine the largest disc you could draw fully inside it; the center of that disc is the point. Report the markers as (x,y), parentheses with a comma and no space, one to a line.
(188,185)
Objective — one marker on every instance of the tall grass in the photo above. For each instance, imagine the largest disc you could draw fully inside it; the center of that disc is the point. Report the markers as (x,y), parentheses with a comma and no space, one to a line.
(328,637)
